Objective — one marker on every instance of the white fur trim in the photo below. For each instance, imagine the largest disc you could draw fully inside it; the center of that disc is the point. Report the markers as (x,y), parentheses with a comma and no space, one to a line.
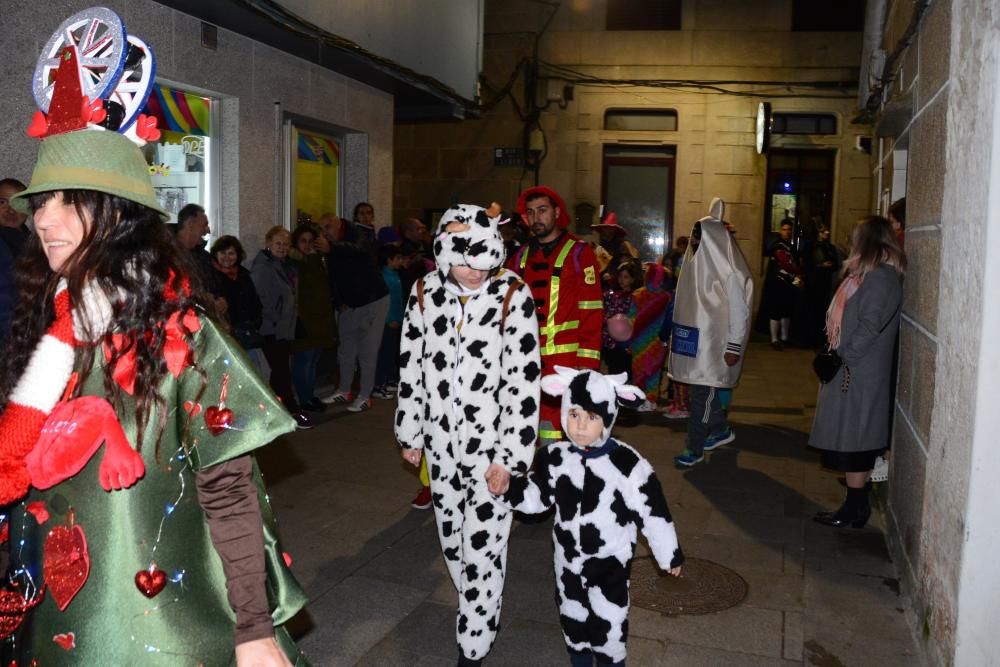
(93,315)
(42,384)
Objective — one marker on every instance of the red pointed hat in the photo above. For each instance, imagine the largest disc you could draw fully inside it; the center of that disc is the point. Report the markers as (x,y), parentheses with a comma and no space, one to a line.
(611,222)
(522,204)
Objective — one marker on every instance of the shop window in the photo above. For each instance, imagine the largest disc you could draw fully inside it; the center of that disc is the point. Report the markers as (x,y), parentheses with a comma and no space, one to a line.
(315,175)
(803,123)
(644,15)
(181,163)
(841,16)
(651,120)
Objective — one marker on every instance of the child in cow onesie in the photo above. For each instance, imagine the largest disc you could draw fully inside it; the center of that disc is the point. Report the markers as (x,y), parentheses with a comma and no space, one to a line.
(468,400)
(604,492)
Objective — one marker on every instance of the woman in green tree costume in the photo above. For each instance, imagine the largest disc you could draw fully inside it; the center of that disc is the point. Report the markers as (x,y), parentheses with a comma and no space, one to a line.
(139,529)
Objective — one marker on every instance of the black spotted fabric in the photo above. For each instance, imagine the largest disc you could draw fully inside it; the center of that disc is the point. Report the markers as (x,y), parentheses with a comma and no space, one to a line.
(469,396)
(603,497)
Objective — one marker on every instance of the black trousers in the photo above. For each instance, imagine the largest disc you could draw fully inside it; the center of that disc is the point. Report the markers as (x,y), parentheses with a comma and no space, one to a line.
(279,355)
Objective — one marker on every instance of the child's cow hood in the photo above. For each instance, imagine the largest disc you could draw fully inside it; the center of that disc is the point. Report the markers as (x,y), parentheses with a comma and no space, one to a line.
(593,392)
(479,247)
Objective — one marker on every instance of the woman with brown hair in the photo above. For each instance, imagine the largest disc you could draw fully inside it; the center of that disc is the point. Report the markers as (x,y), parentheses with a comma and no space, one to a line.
(233,284)
(126,417)
(851,426)
(316,327)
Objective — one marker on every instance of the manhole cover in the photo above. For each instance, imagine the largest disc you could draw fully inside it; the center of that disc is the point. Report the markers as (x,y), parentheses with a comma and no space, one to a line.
(704,588)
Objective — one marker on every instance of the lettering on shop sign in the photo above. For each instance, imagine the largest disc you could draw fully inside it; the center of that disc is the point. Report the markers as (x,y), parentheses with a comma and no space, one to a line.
(193,145)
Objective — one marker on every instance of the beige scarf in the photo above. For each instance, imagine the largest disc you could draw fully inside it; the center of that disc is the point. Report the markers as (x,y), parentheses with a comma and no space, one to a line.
(835,313)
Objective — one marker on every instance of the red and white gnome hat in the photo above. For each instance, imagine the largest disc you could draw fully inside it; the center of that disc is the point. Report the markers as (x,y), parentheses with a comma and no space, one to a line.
(34,397)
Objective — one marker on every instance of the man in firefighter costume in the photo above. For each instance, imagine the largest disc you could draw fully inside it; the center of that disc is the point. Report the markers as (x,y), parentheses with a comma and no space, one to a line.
(565,280)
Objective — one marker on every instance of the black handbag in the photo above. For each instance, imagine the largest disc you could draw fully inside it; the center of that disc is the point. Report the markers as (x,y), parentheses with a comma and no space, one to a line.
(826,364)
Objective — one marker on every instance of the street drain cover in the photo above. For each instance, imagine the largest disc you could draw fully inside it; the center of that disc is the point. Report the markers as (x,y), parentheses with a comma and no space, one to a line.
(704,588)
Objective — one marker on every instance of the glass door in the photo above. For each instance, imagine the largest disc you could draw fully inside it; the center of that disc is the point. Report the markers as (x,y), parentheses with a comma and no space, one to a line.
(639,188)
(313,174)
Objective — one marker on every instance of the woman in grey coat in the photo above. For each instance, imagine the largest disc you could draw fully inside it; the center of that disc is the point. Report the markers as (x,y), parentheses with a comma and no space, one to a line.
(275,279)
(851,425)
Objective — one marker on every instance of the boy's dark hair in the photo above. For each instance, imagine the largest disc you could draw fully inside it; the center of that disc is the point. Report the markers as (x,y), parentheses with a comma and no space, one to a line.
(387,252)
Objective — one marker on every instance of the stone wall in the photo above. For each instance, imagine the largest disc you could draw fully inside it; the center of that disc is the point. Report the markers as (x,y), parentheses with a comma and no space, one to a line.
(947,78)
(438,164)
(250,78)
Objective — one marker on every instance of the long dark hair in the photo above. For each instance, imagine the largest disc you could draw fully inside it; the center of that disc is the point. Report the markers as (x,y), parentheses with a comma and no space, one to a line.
(873,243)
(126,249)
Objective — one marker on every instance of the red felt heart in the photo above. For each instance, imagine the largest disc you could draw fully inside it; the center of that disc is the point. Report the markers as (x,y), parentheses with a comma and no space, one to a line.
(67,640)
(66,563)
(38,510)
(193,409)
(39,125)
(13,608)
(94,112)
(218,419)
(145,128)
(150,582)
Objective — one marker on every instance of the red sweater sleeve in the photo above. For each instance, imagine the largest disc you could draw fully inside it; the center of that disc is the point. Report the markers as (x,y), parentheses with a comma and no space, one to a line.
(590,306)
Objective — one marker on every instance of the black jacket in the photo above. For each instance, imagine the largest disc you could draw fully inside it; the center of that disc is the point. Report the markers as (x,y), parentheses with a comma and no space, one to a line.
(355,276)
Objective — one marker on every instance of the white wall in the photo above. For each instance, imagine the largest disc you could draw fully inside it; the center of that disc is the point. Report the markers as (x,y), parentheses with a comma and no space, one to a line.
(428,36)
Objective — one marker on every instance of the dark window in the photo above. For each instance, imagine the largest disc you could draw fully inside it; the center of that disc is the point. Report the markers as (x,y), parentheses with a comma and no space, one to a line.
(656,120)
(644,15)
(827,16)
(803,123)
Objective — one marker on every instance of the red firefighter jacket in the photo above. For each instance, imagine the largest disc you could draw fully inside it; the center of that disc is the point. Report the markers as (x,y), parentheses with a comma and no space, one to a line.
(566,284)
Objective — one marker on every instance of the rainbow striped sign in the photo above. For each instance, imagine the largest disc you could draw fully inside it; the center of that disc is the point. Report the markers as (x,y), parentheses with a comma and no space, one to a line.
(180,112)
(317,148)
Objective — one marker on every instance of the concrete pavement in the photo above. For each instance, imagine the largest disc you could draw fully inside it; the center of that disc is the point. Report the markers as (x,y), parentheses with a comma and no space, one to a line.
(380,594)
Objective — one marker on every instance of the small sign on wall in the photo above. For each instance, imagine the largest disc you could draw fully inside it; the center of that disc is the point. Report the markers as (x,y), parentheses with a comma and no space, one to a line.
(508,157)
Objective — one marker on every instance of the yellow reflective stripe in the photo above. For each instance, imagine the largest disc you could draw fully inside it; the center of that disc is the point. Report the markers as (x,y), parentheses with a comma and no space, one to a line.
(550,321)
(588,354)
(590,305)
(564,253)
(560,349)
(556,328)
(551,328)
(546,434)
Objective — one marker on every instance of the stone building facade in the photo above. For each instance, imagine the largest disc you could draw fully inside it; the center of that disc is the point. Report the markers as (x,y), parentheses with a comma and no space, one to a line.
(258,79)
(939,131)
(712,150)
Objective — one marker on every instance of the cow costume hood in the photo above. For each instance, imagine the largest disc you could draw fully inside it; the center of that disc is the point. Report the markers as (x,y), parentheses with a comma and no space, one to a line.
(593,392)
(479,247)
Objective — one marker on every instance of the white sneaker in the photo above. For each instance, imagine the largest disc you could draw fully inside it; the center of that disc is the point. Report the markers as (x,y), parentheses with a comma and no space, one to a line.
(880,473)
(360,405)
(336,398)
(647,406)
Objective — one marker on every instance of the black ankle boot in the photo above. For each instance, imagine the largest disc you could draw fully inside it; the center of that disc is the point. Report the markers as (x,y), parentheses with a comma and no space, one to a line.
(855,511)
(843,517)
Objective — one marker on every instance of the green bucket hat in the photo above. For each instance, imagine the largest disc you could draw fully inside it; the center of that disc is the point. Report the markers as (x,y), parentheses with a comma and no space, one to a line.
(91,160)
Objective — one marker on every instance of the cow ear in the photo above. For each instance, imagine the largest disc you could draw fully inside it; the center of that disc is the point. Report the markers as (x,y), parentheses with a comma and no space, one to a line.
(629,395)
(557,383)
